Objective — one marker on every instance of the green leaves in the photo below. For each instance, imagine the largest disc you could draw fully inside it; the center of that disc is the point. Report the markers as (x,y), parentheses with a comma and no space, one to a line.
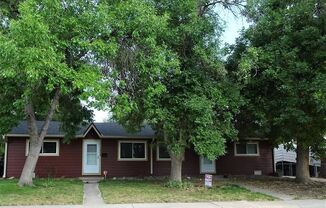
(177,82)
(285,55)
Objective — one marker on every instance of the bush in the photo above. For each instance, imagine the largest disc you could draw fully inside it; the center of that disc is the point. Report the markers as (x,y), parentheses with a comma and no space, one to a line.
(179,185)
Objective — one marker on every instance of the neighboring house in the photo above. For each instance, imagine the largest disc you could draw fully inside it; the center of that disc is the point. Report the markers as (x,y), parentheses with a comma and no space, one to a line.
(285,162)
(109,147)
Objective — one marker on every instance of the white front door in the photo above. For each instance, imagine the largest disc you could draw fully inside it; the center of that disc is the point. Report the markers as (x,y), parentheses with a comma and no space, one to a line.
(91,157)
(207,166)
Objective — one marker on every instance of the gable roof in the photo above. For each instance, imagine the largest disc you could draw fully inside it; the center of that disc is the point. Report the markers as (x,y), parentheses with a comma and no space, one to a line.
(104,130)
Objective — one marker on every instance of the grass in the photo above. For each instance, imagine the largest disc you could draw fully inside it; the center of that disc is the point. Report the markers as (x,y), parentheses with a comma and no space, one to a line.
(44,192)
(147,191)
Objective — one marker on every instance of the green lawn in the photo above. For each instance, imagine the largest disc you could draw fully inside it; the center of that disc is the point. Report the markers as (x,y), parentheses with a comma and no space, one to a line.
(45,191)
(139,191)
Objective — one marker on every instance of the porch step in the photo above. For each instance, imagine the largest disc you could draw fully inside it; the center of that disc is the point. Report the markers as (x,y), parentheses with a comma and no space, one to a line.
(94,179)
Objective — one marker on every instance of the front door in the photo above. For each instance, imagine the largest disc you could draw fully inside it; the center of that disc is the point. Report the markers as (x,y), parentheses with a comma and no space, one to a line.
(207,166)
(91,157)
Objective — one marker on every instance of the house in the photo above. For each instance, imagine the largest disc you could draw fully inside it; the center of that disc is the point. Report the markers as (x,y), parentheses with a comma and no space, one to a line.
(285,162)
(109,147)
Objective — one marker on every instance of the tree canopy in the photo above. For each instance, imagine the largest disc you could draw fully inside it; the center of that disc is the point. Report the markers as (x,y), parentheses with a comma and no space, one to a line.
(194,103)
(282,56)
(53,55)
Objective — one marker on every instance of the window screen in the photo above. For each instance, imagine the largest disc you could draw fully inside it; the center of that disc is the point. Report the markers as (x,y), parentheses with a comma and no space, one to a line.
(252,149)
(49,147)
(247,149)
(126,150)
(241,148)
(138,150)
(163,152)
(132,150)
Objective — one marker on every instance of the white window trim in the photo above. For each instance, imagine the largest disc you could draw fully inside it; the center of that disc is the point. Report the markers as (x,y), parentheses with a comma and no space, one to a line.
(235,149)
(158,155)
(57,141)
(132,159)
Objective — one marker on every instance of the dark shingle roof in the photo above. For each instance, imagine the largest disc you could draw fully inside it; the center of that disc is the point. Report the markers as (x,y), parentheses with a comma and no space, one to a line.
(115,129)
(109,129)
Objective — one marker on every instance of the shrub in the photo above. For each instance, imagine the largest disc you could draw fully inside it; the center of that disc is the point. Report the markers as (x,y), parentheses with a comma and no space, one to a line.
(179,185)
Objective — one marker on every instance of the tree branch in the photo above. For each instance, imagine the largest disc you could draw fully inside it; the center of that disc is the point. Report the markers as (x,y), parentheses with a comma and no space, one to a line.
(32,127)
(54,104)
(228,4)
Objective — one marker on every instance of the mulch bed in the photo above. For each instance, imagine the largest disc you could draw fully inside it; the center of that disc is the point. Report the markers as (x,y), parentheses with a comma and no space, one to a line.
(288,186)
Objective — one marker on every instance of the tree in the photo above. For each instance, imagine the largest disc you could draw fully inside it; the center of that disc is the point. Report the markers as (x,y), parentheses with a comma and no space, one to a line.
(8,10)
(282,57)
(2,146)
(192,104)
(54,54)
(323,168)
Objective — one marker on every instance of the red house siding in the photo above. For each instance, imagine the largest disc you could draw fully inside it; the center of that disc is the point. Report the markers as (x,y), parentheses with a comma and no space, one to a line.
(118,168)
(67,164)
(190,165)
(230,164)
(69,161)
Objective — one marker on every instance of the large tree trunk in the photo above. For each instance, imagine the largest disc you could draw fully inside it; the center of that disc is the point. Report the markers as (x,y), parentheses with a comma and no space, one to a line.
(323,168)
(26,177)
(176,167)
(36,140)
(302,169)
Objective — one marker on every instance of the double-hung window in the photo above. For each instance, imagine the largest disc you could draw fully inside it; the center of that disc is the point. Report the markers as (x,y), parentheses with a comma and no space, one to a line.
(132,150)
(246,149)
(162,153)
(50,147)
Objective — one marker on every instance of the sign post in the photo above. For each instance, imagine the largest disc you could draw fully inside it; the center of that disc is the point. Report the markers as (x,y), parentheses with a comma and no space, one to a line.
(208,181)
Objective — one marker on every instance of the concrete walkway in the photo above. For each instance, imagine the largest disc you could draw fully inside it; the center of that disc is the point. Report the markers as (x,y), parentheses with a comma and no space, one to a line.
(267,192)
(92,194)
(233,204)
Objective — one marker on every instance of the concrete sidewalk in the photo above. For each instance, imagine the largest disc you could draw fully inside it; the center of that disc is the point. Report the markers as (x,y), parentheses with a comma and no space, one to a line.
(267,192)
(233,204)
(92,194)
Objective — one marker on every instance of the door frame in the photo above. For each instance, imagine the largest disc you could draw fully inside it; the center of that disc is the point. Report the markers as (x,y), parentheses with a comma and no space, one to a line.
(200,167)
(99,142)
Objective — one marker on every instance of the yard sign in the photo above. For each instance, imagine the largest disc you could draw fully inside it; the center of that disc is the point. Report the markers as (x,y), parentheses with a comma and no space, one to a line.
(208,180)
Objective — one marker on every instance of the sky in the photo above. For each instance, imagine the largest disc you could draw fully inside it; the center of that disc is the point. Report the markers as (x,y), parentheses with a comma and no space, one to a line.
(233,26)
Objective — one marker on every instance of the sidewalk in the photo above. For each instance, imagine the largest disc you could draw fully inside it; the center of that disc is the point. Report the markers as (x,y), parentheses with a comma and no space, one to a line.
(267,192)
(233,204)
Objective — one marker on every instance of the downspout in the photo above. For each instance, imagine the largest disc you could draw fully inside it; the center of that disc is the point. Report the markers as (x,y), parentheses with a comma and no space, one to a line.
(5,161)
(151,151)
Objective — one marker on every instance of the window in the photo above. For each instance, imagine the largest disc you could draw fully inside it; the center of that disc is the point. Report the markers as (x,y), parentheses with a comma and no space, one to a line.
(91,158)
(162,153)
(246,149)
(207,166)
(132,150)
(49,148)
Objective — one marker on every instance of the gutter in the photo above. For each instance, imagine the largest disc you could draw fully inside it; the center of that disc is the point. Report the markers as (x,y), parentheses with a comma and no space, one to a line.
(5,161)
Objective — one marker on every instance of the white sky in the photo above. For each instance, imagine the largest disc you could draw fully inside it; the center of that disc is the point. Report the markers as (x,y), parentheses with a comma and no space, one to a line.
(233,26)
(101,116)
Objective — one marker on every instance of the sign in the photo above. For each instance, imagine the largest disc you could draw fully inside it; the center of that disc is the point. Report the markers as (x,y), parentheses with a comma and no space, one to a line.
(105,174)
(208,180)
